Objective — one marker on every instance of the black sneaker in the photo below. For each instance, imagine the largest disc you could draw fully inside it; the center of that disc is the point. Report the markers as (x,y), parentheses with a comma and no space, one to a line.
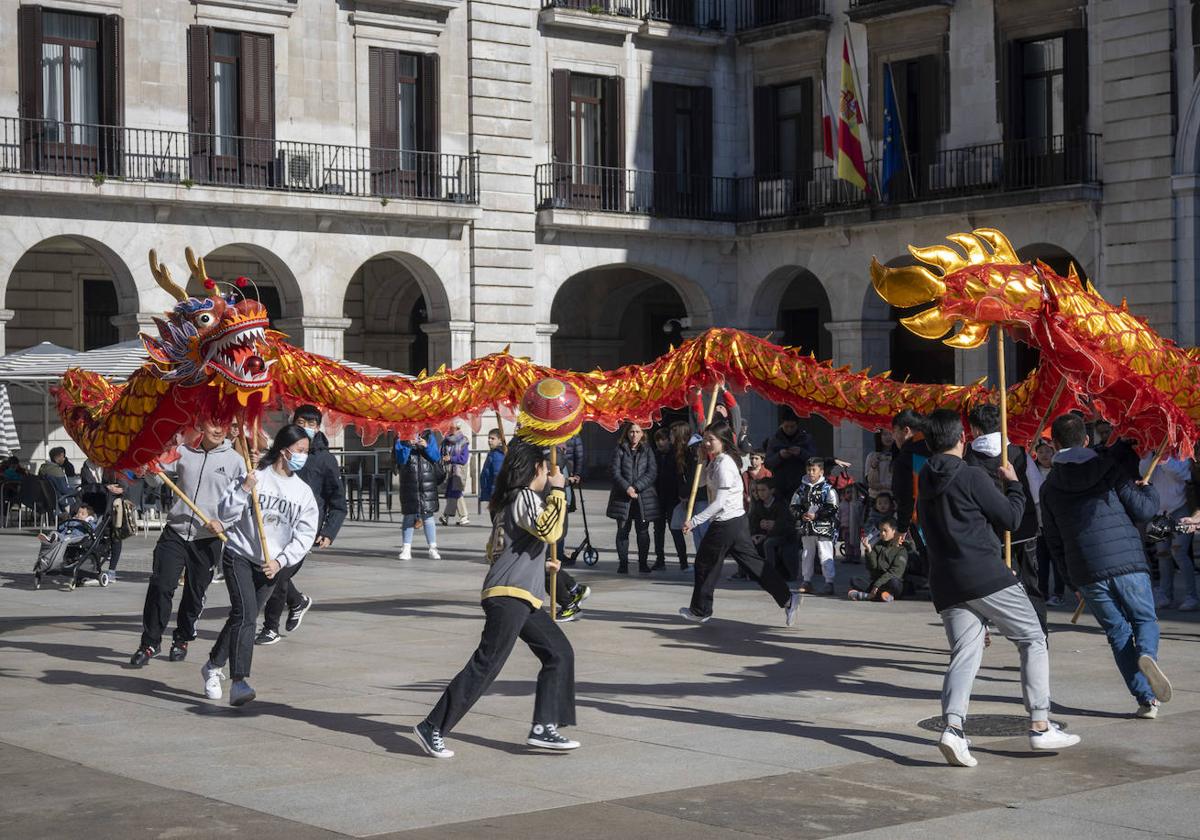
(659,565)
(143,656)
(178,651)
(579,594)
(431,741)
(297,615)
(266,637)
(546,736)
(568,613)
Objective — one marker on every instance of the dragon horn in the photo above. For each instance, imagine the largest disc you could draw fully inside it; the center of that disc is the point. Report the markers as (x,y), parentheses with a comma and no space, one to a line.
(162,276)
(196,265)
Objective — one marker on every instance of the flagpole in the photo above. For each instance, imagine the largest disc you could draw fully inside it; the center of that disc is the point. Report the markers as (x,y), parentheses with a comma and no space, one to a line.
(900,122)
(862,112)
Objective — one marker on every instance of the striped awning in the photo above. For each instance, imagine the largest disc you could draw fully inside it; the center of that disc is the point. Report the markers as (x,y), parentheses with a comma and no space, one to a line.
(9,442)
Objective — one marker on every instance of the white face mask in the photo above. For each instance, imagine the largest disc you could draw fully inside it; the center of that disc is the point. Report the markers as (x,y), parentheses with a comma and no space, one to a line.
(297,460)
(311,432)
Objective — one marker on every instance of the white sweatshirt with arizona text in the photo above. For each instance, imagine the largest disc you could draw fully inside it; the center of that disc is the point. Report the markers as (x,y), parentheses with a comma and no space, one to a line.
(290,518)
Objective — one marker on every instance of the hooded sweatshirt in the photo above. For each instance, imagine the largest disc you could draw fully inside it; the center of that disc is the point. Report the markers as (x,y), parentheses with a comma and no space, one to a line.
(984,452)
(204,475)
(960,510)
(290,518)
(1089,511)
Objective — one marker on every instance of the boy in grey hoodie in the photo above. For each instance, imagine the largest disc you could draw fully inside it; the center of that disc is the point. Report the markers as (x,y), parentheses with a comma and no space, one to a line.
(187,542)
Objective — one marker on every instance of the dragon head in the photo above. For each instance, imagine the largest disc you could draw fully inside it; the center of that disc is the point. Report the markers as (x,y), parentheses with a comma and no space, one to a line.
(220,339)
(982,284)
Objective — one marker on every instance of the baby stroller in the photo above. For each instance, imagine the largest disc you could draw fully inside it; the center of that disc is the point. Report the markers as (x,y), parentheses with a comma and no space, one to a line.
(81,550)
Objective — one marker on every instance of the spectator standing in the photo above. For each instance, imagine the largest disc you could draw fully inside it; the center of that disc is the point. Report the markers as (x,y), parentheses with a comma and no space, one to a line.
(456,454)
(906,466)
(787,454)
(491,465)
(1170,480)
(419,462)
(633,500)
(685,448)
(815,509)
(1037,469)
(103,488)
(879,464)
(666,485)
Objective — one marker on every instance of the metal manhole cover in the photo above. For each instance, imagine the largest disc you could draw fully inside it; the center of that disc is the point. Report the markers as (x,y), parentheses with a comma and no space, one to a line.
(986,726)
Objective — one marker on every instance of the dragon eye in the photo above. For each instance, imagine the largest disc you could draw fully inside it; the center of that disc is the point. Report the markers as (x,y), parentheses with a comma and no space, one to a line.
(205,319)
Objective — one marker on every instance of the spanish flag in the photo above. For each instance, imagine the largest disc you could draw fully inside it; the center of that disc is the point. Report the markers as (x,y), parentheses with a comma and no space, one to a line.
(850,165)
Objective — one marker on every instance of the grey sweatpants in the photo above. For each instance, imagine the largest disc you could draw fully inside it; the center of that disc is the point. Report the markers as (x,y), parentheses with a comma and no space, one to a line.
(965,623)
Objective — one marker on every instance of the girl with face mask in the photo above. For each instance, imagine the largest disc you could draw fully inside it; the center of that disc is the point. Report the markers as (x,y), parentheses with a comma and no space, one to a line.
(290,518)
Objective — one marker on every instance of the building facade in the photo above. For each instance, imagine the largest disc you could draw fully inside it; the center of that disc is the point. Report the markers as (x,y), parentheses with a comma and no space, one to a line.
(418,182)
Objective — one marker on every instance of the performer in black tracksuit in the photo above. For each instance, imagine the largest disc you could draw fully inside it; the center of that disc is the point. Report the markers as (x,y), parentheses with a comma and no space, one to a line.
(324,478)
(205,472)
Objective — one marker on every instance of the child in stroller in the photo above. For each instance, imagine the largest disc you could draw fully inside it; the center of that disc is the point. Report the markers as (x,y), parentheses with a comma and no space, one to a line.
(80,547)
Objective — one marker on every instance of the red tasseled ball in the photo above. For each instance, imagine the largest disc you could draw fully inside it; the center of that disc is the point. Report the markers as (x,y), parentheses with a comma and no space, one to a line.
(242,282)
(209,283)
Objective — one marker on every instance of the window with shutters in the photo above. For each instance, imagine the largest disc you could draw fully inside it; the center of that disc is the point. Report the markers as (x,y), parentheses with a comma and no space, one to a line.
(1046,121)
(1042,91)
(682,116)
(587,136)
(793,121)
(225,115)
(404,123)
(71,77)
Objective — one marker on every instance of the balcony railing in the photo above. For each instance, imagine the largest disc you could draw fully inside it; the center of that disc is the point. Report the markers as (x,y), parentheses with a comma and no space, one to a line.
(991,168)
(103,152)
(752,14)
(702,14)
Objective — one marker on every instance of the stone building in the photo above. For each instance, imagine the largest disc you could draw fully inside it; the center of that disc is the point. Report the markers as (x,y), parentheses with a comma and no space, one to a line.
(418,182)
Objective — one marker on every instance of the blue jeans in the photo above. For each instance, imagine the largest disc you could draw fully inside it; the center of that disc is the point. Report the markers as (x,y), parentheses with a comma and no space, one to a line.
(1181,556)
(429,522)
(1124,606)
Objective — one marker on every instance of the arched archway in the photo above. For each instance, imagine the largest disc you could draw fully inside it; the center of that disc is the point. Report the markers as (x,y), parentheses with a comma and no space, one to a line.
(278,289)
(71,291)
(613,316)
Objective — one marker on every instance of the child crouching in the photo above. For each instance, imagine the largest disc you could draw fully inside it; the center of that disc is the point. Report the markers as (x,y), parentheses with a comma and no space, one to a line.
(885,567)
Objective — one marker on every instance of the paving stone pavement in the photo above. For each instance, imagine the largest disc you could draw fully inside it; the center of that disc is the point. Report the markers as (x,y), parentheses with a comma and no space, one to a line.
(741,728)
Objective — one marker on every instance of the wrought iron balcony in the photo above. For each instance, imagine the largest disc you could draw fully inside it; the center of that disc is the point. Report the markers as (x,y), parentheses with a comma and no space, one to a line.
(702,14)
(104,152)
(986,169)
(752,14)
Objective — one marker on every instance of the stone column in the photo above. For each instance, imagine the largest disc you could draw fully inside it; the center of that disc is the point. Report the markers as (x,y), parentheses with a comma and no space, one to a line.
(1187,220)
(859,344)
(6,315)
(317,334)
(131,323)
(543,333)
(450,343)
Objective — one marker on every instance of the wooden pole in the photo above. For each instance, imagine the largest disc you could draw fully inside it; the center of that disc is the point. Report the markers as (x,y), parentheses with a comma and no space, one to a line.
(553,545)
(1149,474)
(1046,417)
(712,406)
(258,520)
(1003,429)
(179,494)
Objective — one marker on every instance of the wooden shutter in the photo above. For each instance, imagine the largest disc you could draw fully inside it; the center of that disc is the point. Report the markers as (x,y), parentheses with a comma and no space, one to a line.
(804,139)
(1075,81)
(612,119)
(384,101)
(662,120)
(702,116)
(29,74)
(429,175)
(560,116)
(929,112)
(1014,124)
(765,152)
(112,95)
(256,87)
(199,94)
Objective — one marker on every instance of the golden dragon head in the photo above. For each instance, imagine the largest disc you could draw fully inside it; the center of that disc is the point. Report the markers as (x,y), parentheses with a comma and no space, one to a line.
(974,283)
(221,339)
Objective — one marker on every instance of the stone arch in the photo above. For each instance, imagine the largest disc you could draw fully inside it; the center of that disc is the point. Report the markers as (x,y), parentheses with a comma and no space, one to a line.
(50,294)
(698,306)
(277,284)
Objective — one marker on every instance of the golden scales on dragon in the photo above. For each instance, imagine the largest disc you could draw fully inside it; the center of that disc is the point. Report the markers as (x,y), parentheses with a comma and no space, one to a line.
(216,358)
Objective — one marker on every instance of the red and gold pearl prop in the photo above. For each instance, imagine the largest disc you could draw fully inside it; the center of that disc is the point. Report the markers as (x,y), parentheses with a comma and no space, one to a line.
(551,412)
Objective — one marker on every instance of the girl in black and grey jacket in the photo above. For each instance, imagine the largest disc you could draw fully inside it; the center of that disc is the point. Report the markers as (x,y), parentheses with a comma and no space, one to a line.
(523,525)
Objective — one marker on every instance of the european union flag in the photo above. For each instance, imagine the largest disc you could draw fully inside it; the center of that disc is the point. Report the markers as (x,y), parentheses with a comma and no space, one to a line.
(893,143)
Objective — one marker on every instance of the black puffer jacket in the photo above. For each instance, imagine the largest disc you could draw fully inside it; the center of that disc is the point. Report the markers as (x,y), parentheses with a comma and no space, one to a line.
(666,485)
(323,476)
(636,468)
(991,465)
(1089,511)
(419,483)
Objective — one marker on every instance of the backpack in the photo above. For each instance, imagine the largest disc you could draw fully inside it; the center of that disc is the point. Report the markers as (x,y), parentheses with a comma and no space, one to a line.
(124,519)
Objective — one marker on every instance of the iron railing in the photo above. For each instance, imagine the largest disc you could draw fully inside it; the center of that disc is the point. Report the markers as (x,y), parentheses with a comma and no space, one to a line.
(1007,166)
(102,152)
(752,14)
(702,14)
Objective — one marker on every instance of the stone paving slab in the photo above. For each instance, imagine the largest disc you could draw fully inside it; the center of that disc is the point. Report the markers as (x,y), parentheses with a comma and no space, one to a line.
(741,728)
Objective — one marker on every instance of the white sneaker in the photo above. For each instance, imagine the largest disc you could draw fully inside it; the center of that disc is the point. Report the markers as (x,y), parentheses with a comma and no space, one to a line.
(464,521)
(687,614)
(406,552)
(212,680)
(955,748)
(1189,604)
(1051,739)
(1148,711)
(789,612)
(434,554)
(1159,684)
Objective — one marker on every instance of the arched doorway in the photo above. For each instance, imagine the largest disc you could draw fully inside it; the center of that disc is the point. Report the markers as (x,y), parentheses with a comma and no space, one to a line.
(386,307)
(273,282)
(608,317)
(914,358)
(68,290)
(1025,358)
